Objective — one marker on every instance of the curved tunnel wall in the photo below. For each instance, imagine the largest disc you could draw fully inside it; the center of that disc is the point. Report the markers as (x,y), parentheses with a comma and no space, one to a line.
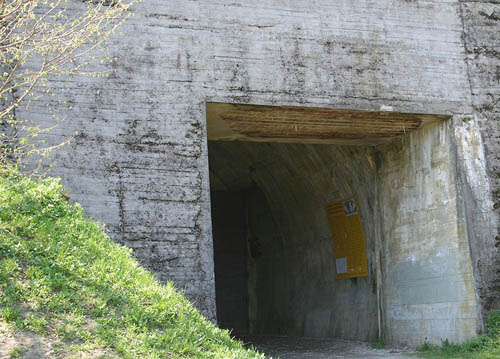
(292,281)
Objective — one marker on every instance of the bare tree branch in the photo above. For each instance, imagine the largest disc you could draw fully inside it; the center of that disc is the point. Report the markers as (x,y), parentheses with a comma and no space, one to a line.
(40,39)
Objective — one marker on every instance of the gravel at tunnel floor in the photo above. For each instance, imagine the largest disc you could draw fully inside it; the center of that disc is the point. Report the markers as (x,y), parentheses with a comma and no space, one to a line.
(298,348)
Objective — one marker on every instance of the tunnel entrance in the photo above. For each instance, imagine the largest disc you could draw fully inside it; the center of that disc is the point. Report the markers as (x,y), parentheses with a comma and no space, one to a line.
(272,172)
(275,271)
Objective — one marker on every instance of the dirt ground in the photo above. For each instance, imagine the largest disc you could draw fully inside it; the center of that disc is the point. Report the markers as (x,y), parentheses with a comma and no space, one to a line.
(18,344)
(303,348)
(23,345)
(31,346)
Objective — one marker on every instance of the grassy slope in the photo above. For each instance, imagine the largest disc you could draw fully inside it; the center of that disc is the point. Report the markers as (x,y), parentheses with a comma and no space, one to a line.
(63,280)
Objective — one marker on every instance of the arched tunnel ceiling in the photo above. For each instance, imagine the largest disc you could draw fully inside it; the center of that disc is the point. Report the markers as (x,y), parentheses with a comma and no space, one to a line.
(287,124)
(240,165)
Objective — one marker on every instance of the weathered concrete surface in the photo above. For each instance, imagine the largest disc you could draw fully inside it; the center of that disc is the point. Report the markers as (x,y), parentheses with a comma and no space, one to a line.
(313,348)
(139,161)
(480,144)
(292,124)
(428,287)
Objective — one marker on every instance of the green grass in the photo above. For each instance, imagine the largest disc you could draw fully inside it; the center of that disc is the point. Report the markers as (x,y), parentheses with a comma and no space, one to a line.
(16,353)
(63,278)
(378,344)
(486,346)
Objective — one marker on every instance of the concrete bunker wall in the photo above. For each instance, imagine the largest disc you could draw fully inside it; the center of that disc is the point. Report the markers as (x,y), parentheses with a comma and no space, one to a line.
(479,143)
(139,160)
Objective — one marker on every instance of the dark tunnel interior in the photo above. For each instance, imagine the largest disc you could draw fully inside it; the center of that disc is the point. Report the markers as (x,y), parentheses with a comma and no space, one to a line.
(274,266)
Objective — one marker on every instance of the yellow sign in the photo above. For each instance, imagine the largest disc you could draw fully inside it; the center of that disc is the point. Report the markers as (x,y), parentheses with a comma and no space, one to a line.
(348,239)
